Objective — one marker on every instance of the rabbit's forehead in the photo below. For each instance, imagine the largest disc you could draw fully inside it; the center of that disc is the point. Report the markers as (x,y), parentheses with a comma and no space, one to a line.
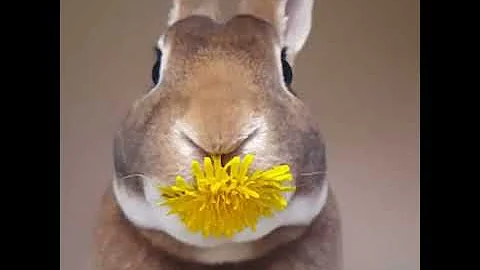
(239,57)
(245,35)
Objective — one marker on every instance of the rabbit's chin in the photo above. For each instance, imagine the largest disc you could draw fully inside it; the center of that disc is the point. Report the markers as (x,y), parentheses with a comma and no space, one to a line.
(143,212)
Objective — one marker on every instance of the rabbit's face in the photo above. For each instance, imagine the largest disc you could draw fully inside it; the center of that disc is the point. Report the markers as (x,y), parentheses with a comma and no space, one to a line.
(222,90)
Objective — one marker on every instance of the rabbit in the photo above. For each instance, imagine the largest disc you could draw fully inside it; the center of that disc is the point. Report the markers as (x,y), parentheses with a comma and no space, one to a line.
(221,88)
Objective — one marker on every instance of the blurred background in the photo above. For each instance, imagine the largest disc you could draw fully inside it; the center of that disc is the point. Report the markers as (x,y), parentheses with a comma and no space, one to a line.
(358,73)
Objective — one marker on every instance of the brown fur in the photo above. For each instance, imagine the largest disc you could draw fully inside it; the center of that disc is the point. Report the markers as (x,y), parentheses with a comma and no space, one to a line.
(221,78)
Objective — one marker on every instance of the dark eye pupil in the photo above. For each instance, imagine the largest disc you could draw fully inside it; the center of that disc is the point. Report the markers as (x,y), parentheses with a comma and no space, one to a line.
(156,66)
(287,69)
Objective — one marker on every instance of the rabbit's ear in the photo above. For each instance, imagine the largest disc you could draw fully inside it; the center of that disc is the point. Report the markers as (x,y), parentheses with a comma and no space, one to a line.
(184,8)
(298,25)
(272,11)
(291,18)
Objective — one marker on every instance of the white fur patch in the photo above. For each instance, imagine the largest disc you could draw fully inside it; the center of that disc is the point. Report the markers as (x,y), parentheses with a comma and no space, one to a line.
(146,214)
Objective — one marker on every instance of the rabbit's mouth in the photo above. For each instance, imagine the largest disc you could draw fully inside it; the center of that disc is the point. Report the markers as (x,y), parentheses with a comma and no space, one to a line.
(144,213)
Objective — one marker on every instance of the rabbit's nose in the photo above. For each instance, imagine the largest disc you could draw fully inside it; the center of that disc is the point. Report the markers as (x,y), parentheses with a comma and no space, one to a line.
(231,147)
(213,140)
(218,145)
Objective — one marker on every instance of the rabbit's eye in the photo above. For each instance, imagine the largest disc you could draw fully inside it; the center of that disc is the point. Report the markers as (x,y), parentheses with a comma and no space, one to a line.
(287,69)
(156,66)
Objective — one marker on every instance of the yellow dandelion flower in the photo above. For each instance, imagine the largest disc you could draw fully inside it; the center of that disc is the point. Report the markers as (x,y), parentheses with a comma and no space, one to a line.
(224,200)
